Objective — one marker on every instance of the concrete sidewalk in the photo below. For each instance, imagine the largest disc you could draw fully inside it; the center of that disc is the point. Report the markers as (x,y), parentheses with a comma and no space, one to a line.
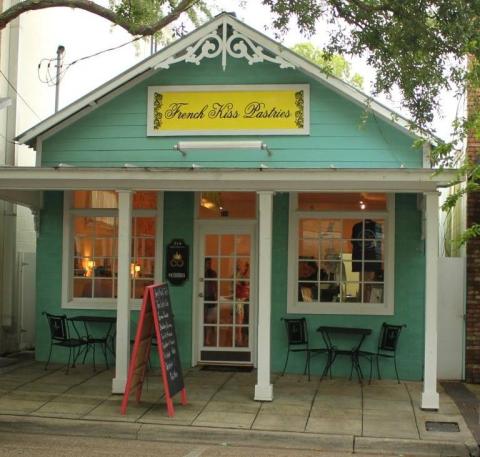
(332,415)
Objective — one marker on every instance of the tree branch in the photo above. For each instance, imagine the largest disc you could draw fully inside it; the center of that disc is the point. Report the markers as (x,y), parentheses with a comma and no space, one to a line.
(134,29)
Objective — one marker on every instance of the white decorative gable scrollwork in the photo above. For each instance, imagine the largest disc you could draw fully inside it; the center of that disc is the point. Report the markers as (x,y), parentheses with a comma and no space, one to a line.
(216,43)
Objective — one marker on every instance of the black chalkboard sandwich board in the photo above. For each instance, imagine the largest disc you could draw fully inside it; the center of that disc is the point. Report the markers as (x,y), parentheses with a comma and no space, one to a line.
(156,320)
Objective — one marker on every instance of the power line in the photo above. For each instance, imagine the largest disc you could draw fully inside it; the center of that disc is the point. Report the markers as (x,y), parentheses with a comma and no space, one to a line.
(19,96)
(51,80)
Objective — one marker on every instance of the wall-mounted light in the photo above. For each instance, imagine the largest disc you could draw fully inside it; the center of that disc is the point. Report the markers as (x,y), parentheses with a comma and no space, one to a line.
(184,146)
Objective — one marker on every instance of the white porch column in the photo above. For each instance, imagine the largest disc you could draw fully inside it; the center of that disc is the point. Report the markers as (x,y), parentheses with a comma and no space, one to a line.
(430,397)
(122,344)
(263,388)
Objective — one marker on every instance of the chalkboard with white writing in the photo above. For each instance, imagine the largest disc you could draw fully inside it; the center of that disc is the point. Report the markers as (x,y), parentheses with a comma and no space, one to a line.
(169,346)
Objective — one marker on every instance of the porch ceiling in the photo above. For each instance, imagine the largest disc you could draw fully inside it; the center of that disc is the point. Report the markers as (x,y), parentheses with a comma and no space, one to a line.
(198,179)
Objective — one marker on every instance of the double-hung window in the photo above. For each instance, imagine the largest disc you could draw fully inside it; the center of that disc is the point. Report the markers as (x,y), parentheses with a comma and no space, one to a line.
(90,259)
(341,253)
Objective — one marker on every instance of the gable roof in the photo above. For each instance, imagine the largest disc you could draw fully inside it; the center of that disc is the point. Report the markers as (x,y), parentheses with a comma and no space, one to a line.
(198,45)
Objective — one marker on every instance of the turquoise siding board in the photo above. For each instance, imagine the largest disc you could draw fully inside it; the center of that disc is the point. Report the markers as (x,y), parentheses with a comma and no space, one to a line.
(409,298)
(178,223)
(115,133)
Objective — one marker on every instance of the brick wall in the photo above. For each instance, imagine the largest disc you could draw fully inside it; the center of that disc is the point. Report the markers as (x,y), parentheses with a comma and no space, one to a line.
(472,368)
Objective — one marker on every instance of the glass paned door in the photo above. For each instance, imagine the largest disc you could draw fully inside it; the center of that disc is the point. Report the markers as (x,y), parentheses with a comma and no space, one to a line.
(226,295)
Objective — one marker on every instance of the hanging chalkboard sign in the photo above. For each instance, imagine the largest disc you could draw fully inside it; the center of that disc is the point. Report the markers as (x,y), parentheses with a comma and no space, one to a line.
(156,320)
(177,262)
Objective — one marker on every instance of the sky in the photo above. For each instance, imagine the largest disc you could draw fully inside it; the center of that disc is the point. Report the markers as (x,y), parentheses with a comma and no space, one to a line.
(83,34)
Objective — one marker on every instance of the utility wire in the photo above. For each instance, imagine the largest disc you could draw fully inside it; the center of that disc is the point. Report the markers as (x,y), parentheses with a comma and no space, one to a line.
(51,80)
(19,96)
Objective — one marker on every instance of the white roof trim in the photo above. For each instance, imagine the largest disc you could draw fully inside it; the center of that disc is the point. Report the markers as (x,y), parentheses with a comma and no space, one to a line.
(93,99)
(197,179)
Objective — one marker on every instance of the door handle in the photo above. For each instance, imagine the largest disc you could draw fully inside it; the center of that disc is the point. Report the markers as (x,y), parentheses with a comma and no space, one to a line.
(200,295)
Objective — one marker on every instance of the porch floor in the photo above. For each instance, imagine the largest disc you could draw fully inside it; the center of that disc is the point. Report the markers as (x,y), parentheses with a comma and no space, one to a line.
(384,411)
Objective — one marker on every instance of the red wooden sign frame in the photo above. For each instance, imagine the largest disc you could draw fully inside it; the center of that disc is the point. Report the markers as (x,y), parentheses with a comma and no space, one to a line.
(147,324)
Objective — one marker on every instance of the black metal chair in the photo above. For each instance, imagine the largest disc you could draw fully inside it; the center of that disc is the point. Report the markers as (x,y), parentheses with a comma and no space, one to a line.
(60,336)
(297,337)
(92,341)
(387,348)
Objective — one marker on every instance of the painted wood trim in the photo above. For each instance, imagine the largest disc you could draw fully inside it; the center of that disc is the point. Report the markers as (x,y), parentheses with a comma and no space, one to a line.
(187,179)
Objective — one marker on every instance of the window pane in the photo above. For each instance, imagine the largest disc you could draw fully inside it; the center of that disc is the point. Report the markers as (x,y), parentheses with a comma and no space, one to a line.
(105,227)
(144,226)
(309,229)
(243,268)
(94,199)
(103,288)
(242,245)
(144,247)
(84,226)
(105,247)
(78,266)
(226,290)
(144,268)
(241,337)
(83,246)
(210,288)
(330,249)
(82,288)
(242,290)
(210,336)
(342,201)
(233,205)
(351,292)
(139,287)
(227,245)
(225,337)
(210,313)
(211,245)
(307,270)
(373,293)
(226,313)
(241,314)
(103,267)
(329,292)
(145,200)
(226,268)
(308,248)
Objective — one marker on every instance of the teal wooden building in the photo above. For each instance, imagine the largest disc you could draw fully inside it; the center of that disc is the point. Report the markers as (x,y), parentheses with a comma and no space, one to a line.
(289,203)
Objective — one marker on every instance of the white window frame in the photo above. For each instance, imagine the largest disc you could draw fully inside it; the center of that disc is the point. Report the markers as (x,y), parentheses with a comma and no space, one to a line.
(294,306)
(70,302)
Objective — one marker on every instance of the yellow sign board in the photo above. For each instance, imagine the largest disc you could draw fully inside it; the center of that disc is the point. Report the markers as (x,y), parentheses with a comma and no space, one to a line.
(228,110)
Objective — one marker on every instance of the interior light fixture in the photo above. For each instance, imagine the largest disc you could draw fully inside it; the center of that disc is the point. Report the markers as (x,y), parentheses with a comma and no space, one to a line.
(184,146)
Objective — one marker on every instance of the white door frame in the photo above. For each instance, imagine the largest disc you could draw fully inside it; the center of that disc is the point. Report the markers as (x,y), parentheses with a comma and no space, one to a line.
(223,226)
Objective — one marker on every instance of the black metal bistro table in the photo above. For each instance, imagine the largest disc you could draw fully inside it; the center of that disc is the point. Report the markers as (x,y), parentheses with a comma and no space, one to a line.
(357,336)
(106,340)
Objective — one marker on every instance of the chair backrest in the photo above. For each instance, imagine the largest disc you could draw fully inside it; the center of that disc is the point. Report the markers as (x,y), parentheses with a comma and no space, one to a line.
(296,331)
(58,327)
(389,336)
